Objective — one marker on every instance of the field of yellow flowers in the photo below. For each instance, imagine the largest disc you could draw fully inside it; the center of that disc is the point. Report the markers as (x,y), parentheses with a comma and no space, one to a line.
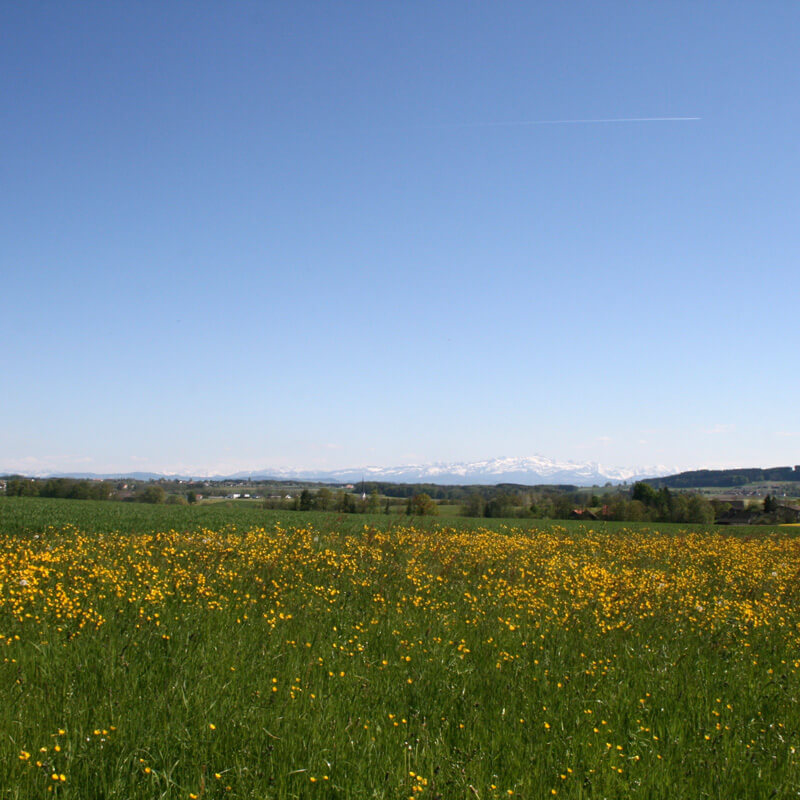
(395,662)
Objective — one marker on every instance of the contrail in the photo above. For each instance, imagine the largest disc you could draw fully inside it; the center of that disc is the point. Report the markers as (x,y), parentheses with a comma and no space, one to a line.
(525,122)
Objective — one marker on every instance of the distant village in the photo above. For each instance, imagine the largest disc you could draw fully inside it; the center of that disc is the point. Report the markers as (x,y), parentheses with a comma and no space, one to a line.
(766,502)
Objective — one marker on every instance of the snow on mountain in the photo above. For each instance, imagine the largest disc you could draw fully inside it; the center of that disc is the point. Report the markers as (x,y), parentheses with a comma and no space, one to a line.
(525,470)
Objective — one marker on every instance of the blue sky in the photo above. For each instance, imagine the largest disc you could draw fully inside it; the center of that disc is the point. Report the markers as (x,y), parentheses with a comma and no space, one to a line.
(236,236)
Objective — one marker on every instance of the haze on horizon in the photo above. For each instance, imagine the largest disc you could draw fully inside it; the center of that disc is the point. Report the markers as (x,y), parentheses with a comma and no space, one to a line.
(319,236)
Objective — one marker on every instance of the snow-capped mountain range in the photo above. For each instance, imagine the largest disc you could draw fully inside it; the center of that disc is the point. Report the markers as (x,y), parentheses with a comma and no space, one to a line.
(525,470)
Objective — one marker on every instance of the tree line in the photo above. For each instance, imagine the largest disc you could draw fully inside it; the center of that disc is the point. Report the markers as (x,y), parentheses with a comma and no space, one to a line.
(641,504)
(720,478)
(79,489)
(346,502)
(65,488)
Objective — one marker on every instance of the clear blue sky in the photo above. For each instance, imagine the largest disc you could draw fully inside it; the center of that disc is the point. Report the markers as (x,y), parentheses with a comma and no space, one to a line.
(242,235)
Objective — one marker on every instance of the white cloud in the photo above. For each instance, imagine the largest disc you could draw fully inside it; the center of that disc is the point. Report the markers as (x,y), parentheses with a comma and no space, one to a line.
(719,428)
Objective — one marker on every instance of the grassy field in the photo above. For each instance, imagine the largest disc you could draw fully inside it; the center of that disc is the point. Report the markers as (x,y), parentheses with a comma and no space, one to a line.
(210,652)
(20,515)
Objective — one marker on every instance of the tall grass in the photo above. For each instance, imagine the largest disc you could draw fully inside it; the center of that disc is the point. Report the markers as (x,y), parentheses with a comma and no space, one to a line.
(288,661)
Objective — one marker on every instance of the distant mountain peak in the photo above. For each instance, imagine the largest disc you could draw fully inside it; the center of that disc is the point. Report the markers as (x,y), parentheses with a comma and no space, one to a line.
(518,469)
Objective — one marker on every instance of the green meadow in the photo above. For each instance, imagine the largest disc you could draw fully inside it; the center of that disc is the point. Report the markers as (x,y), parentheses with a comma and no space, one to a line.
(227,651)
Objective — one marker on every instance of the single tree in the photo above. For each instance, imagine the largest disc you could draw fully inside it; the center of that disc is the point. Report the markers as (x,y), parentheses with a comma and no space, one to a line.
(374,502)
(420,505)
(153,494)
(324,499)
